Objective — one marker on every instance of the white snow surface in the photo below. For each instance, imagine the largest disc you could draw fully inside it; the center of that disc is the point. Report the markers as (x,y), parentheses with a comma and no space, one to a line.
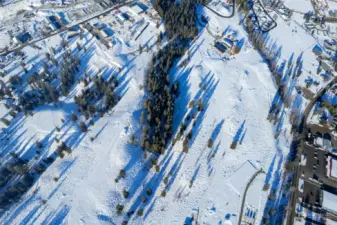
(299,5)
(238,97)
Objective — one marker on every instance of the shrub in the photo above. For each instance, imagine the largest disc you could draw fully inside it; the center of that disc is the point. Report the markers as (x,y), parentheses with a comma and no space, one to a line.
(163,193)
(149,192)
(130,213)
(140,212)
(185,146)
(125,193)
(210,143)
(189,135)
(153,162)
(122,173)
(39,144)
(191,104)
(266,187)
(92,123)
(272,212)
(201,105)
(165,180)
(133,140)
(119,209)
(83,127)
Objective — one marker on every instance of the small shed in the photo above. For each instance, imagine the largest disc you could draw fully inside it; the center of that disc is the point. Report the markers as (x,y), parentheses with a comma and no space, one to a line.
(317,50)
(22,38)
(220,46)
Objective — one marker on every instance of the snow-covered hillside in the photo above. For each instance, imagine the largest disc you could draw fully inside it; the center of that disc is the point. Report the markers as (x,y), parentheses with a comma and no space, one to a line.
(208,182)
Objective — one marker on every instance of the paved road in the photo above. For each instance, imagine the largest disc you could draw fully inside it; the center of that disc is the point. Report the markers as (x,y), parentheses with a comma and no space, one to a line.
(291,216)
(245,193)
(67,27)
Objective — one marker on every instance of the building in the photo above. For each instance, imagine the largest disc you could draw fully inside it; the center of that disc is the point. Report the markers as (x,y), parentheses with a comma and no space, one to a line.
(53,22)
(317,50)
(121,17)
(329,202)
(22,38)
(137,8)
(220,46)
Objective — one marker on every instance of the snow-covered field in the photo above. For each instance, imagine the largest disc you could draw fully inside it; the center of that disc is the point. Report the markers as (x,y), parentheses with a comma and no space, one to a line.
(299,5)
(207,182)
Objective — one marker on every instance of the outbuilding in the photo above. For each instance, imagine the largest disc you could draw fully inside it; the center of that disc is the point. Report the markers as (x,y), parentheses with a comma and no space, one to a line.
(317,50)
(22,38)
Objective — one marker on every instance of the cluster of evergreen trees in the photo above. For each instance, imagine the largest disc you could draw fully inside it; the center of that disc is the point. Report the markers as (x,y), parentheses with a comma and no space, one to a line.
(69,66)
(101,89)
(180,19)
(159,107)
(15,168)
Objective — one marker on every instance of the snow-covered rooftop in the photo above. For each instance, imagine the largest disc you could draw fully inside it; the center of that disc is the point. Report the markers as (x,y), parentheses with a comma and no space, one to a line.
(329,202)
(136,9)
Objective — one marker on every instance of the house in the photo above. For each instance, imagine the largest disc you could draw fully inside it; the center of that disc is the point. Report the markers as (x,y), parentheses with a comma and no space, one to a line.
(22,38)
(317,50)
(220,46)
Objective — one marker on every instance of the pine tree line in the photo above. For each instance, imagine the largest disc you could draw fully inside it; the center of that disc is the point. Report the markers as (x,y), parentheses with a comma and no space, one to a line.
(179,21)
